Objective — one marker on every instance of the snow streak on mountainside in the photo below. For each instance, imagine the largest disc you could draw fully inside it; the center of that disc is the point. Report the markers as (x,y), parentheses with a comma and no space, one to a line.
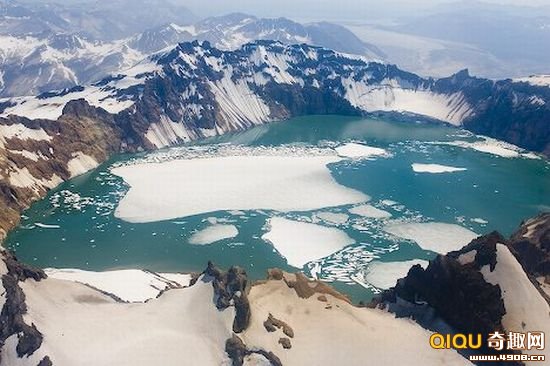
(209,91)
(196,90)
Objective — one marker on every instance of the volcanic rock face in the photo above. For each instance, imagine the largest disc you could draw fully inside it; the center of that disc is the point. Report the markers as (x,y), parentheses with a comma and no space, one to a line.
(531,245)
(14,307)
(37,155)
(458,293)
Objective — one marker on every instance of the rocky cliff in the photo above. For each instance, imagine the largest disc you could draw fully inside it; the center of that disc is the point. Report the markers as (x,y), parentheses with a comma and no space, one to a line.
(492,284)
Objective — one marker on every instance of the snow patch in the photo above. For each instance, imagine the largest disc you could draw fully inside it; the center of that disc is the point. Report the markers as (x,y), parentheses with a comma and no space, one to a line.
(20,131)
(166,133)
(80,164)
(536,80)
(239,105)
(526,309)
(22,178)
(390,96)
(467,258)
(81,326)
(130,285)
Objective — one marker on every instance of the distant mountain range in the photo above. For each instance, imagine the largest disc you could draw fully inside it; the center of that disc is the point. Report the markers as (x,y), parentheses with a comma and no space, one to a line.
(36,62)
(492,39)
(96,20)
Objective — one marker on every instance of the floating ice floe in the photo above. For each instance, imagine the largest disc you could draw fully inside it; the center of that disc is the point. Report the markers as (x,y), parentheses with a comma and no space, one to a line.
(384,275)
(369,211)
(479,220)
(214,234)
(333,217)
(359,151)
(437,237)
(301,242)
(435,168)
(347,265)
(46,226)
(285,179)
(491,146)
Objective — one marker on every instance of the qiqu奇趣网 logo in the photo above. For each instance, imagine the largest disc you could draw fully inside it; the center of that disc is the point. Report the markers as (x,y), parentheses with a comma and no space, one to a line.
(511,341)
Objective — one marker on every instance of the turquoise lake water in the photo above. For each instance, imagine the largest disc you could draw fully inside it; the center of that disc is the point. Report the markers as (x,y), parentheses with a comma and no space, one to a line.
(77,227)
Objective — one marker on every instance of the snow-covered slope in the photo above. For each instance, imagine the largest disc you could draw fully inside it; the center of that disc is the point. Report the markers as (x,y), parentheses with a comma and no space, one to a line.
(233,30)
(526,309)
(113,94)
(99,20)
(32,65)
(218,319)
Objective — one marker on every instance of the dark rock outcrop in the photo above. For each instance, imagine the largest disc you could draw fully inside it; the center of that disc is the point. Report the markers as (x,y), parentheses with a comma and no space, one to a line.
(486,250)
(285,342)
(237,351)
(231,288)
(11,319)
(272,324)
(531,245)
(19,270)
(504,109)
(11,315)
(459,294)
(45,362)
